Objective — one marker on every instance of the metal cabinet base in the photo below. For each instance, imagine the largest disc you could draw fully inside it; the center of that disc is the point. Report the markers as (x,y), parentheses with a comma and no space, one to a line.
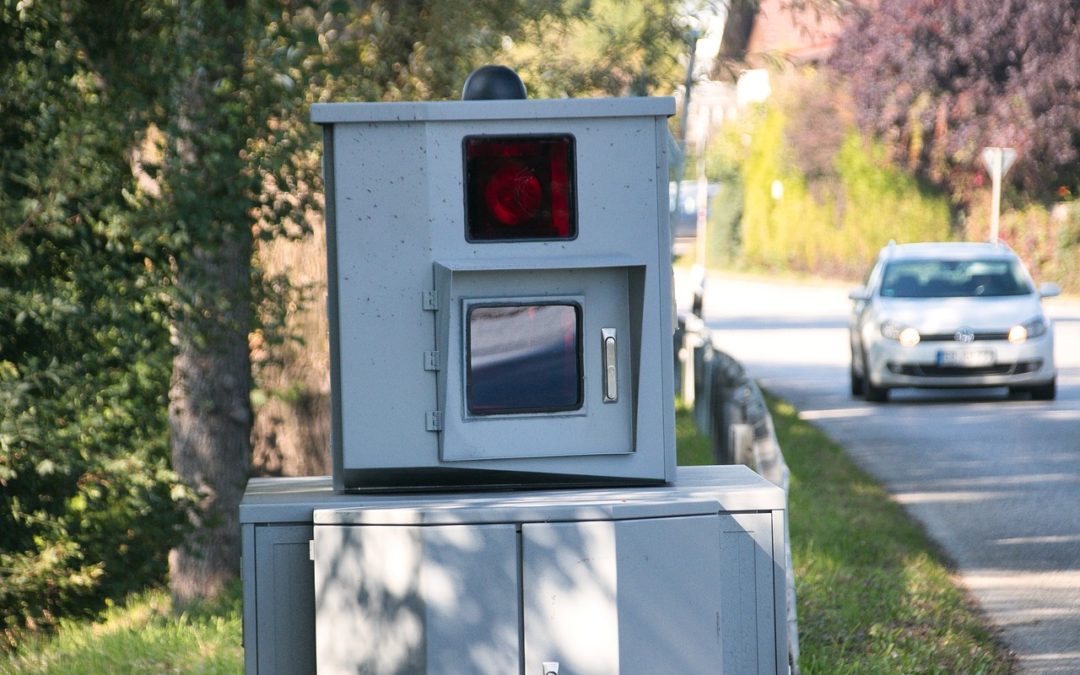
(685,578)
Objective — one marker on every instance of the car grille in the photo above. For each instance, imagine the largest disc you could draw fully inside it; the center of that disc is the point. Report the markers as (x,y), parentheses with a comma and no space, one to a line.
(929,370)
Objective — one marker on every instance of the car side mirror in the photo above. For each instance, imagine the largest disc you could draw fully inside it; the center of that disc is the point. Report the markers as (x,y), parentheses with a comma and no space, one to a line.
(1049,290)
(859,294)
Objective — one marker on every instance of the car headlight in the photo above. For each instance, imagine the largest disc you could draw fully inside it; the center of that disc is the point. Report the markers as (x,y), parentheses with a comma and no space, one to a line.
(1032,329)
(905,335)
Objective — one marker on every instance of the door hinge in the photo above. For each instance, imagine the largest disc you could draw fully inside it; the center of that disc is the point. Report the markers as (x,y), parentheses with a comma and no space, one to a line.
(429,300)
(432,361)
(434,420)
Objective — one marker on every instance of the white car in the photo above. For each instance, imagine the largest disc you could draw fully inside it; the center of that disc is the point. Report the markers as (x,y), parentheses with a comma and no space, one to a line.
(951,315)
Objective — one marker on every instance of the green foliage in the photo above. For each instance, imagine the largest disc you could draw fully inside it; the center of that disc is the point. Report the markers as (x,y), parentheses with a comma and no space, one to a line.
(1065,264)
(819,196)
(692,447)
(395,50)
(882,202)
(725,155)
(601,48)
(142,635)
(1047,239)
(724,230)
(826,209)
(776,228)
(88,506)
(938,81)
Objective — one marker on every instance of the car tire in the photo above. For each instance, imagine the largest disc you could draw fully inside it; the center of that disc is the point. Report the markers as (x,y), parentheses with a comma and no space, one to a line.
(1045,392)
(858,384)
(876,394)
(1042,392)
(873,393)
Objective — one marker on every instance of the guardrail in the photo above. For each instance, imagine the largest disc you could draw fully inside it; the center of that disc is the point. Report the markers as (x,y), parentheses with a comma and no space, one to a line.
(728,408)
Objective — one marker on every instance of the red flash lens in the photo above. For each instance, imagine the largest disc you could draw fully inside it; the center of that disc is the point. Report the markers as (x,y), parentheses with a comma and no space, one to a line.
(519,188)
(513,194)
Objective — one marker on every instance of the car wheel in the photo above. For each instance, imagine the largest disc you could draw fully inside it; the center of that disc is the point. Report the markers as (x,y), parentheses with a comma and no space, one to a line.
(858,384)
(873,393)
(1042,392)
(1045,392)
(876,394)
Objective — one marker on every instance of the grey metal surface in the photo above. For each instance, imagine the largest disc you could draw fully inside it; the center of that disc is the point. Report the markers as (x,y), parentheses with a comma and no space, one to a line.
(696,490)
(396,216)
(453,510)
(285,645)
(634,596)
(631,580)
(446,554)
(402,599)
(294,500)
(288,500)
(596,429)
(756,592)
(483,111)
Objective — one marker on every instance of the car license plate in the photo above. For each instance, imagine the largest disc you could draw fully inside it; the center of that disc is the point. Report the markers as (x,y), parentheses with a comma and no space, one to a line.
(966,359)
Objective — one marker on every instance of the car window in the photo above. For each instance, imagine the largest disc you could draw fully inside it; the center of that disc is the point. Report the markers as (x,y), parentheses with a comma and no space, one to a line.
(953,279)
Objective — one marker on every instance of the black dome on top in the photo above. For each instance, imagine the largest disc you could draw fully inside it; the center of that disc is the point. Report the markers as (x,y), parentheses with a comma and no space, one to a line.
(489,83)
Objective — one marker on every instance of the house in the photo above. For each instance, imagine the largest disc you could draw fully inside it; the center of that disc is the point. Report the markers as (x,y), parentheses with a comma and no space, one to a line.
(776,32)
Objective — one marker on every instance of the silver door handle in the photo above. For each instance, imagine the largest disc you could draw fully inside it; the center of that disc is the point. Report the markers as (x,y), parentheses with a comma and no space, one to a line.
(611,368)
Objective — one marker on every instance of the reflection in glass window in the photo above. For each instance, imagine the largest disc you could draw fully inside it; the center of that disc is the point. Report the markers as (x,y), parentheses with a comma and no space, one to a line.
(953,279)
(523,358)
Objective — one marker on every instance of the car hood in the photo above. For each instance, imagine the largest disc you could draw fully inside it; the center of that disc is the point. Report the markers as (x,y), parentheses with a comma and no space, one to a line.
(943,315)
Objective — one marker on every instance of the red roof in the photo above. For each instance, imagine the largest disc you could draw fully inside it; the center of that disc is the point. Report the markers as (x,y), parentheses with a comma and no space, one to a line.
(800,35)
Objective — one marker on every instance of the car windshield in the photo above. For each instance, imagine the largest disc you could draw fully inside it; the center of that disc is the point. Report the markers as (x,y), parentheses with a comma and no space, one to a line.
(953,279)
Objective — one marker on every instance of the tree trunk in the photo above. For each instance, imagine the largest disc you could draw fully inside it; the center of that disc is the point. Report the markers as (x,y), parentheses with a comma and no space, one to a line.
(210,423)
(291,435)
(210,203)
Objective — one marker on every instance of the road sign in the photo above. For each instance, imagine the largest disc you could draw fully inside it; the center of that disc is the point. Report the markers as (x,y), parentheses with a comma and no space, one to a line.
(998,159)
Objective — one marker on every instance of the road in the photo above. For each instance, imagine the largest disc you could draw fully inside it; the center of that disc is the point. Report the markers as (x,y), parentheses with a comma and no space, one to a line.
(996,482)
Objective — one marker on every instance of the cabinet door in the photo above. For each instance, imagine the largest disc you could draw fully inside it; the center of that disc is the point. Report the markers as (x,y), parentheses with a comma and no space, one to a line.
(416,599)
(279,607)
(751,580)
(629,596)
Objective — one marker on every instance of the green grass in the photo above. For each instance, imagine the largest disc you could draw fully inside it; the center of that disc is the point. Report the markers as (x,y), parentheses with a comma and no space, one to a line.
(143,635)
(692,449)
(873,592)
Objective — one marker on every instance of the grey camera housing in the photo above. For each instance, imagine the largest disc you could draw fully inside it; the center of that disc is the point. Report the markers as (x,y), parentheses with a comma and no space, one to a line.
(403,276)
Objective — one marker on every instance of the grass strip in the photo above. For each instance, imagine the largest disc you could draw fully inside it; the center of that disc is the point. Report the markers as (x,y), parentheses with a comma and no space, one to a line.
(142,635)
(873,591)
(691,448)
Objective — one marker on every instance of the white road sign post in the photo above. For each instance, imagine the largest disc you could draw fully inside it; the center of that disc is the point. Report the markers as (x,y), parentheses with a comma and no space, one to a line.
(997,161)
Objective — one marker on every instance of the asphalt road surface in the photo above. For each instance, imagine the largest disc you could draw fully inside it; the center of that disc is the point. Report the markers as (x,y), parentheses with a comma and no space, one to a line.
(995,481)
